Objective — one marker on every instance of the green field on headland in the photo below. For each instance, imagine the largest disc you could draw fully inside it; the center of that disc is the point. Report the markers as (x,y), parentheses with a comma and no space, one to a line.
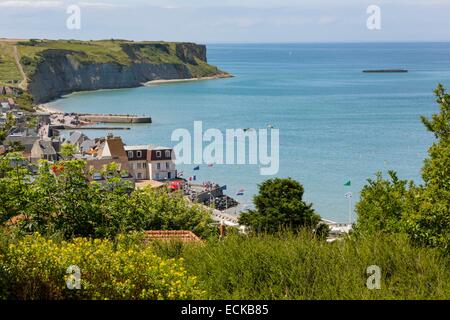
(51,68)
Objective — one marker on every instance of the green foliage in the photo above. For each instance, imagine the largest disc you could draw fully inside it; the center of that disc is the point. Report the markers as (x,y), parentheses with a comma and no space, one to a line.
(300,266)
(279,205)
(68,150)
(429,218)
(422,211)
(382,204)
(429,221)
(439,123)
(3,135)
(109,51)
(36,268)
(60,200)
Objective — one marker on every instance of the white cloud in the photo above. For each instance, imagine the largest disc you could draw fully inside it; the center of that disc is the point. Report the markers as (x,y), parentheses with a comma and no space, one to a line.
(99,5)
(30,4)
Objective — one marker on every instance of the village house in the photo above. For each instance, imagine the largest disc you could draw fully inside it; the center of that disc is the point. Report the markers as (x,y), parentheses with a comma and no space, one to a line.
(87,146)
(107,151)
(76,139)
(162,164)
(137,157)
(45,150)
(152,163)
(25,137)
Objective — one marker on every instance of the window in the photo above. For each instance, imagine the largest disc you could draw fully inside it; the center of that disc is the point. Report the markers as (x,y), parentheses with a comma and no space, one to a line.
(158,166)
(167,153)
(130,154)
(158,154)
(139,176)
(139,154)
(138,165)
(167,165)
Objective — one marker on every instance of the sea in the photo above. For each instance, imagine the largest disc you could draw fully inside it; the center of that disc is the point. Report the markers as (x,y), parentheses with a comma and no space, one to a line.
(336,124)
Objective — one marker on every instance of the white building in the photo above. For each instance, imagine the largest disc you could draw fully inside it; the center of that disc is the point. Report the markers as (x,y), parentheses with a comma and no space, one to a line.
(152,163)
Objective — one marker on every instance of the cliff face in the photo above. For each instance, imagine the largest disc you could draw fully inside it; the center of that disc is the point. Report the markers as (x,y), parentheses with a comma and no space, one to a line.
(59,72)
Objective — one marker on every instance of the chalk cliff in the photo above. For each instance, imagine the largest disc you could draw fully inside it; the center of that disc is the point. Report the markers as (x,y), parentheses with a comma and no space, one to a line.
(54,72)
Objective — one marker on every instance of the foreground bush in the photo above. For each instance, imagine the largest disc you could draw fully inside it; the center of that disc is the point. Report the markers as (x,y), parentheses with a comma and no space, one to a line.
(303,267)
(35,268)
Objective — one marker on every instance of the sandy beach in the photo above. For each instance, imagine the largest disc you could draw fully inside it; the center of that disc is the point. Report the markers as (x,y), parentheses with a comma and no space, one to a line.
(45,108)
(157,82)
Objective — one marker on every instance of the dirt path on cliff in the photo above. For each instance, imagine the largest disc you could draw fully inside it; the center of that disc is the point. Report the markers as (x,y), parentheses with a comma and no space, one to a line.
(24,83)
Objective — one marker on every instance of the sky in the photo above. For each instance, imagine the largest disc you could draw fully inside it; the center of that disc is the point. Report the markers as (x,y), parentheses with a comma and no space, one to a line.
(225,21)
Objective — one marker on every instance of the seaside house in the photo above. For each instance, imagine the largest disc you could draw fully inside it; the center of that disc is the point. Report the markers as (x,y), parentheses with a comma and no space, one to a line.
(152,163)
(76,139)
(45,150)
(107,151)
(26,137)
(138,159)
(87,147)
(162,164)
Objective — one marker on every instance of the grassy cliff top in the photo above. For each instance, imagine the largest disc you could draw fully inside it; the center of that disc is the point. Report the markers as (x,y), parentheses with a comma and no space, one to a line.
(28,53)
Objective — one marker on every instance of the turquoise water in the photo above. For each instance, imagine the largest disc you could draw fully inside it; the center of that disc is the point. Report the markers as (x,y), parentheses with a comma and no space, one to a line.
(336,123)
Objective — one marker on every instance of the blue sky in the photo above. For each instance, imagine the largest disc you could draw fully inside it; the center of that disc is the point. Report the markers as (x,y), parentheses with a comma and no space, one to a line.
(209,21)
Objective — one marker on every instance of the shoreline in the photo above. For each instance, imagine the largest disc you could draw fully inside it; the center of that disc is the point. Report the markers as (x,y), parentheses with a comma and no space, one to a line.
(169,81)
(45,108)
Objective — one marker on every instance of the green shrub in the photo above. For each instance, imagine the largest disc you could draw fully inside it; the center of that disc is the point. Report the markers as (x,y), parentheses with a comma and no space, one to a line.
(35,268)
(61,201)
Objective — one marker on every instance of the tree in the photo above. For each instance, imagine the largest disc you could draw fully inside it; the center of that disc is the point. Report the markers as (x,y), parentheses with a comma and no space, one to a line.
(429,222)
(2,136)
(68,151)
(15,146)
(382,204)
(423,211)
(10,121)
(439,124)
(279,205)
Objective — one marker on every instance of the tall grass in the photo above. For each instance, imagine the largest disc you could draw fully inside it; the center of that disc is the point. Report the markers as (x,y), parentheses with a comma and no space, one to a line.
(284,266)
(301,267)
